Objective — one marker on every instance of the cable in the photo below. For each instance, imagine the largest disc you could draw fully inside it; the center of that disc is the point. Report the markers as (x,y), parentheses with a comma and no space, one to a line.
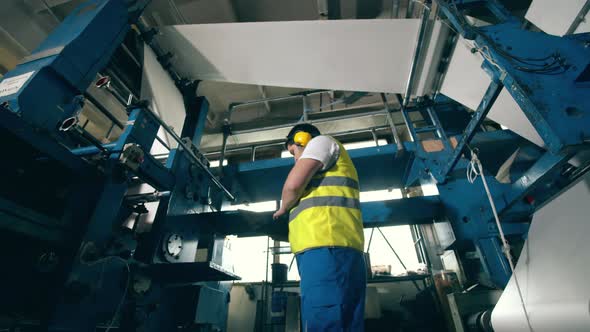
(370,240)
(124,293)
(103,261)
(474,170)
(543,68)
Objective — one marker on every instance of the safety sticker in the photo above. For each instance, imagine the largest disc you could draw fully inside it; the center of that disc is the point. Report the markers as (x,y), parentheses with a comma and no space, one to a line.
(12,85)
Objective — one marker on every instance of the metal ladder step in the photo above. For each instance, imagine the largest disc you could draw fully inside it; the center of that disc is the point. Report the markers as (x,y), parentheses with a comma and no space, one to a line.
(425,129)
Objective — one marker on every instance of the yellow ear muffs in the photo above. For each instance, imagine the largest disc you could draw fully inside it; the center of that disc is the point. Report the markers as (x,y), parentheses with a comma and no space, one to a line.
(302,138)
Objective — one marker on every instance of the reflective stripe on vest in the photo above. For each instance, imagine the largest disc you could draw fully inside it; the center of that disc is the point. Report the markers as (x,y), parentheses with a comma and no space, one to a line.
(334,181)
(328,214)
(340,201)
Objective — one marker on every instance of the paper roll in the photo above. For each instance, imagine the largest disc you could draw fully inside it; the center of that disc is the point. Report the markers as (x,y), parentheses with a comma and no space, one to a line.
(552,269)
(548,317)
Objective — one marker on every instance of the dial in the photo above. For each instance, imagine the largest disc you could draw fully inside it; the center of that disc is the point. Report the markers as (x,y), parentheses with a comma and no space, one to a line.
(174,245)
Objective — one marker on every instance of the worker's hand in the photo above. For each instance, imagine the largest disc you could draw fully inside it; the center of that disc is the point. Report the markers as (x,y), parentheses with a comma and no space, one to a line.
(280,212)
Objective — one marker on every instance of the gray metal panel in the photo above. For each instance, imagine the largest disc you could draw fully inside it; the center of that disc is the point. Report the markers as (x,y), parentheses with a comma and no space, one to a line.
(292,319)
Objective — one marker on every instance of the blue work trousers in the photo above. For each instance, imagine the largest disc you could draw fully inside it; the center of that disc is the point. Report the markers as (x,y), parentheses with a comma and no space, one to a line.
(333,286)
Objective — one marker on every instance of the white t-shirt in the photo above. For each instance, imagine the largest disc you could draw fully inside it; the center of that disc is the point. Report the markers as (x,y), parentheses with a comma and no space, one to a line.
(323,149)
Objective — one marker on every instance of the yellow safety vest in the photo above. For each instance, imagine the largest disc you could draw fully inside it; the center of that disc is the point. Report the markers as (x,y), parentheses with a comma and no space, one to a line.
(328,213)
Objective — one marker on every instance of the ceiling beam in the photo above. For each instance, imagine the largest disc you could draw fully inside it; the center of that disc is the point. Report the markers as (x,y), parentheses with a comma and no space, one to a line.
(177,13)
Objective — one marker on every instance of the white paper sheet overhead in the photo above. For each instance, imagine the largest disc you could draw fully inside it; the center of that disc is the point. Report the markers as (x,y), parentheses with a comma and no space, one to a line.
(555,17)
(552,269)
(466,82)
(352,55)
(160,90)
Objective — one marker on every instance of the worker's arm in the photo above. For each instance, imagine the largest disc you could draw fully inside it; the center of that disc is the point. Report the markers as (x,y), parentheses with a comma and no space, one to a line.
(296,182)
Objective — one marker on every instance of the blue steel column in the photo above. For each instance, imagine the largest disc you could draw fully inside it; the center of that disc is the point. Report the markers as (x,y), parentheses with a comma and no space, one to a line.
(95,280)
(494,262)
(184,199)
(440,130)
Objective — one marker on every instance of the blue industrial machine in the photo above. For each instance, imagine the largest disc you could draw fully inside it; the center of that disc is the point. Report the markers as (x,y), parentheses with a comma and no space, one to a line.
(64,195)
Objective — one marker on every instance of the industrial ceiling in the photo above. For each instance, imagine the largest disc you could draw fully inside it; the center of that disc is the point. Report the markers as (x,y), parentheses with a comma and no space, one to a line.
(25,23)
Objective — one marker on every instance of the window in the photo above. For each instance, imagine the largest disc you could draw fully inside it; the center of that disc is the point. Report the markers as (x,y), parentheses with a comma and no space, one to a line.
(249,258)
(254,207)
(429,189)
(380,195)
(363,144)
(400,238)
(248,254)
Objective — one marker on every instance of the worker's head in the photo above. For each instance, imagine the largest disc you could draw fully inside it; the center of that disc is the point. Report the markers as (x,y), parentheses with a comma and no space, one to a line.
(298,138)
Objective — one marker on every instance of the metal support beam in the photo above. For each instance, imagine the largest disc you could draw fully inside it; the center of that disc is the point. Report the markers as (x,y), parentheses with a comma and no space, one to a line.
(440,130)
(407,120)
(407,211)
(493,261)
(579,18)
(192,156)
(177,12)
(480,114)
(499,11)
(264,96)
(391,123)
(232,107)
(533,178)
(417,54)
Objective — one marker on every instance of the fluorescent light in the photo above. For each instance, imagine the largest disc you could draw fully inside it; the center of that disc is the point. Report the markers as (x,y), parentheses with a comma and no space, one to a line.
(363,144)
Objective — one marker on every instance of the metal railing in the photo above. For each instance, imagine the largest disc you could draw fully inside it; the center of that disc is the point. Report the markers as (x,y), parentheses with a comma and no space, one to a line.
(254,147)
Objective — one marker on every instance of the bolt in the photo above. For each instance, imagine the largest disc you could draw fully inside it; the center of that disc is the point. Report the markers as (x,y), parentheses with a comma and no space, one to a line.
(5,106)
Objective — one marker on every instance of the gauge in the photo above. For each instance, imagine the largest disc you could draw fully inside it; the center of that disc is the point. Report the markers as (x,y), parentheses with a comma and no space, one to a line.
(174,245)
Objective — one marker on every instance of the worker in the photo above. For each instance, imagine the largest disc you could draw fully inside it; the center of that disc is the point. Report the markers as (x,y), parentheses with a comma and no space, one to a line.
(321,196)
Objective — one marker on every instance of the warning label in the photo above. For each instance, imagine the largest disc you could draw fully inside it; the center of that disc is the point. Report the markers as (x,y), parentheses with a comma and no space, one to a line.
(12,85)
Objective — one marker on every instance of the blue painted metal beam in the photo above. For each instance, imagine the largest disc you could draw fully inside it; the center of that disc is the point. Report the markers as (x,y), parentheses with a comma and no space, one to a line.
(552,100)
(91,150)
(378,168)
(540,72)
(468,209)
(415,210)
(440,172)
(545,168)
(493,260)
(407,211)
(22,220)
(16,126)
(143,131)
